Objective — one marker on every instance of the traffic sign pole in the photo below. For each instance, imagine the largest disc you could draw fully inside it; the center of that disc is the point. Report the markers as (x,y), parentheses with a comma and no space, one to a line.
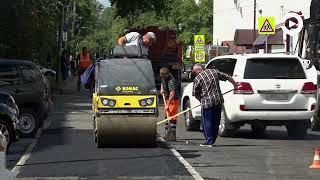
(199,49)
(266,44)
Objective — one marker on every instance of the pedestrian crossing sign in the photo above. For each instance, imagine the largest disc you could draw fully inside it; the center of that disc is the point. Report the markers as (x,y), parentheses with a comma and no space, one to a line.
(266,25)
(199,40)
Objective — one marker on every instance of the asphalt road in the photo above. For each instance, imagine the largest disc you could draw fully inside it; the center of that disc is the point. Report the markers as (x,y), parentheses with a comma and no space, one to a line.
(242,157)
(66,150)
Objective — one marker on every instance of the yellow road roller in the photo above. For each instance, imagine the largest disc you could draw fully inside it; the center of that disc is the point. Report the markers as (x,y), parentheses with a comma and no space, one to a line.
(125,103)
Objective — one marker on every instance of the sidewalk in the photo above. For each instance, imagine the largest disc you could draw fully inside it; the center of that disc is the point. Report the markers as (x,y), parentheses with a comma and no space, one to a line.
(69,86)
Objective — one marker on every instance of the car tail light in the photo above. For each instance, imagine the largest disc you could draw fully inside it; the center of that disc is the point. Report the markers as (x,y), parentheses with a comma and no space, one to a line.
(244,88)
(242,107)
(313,107)
(309,88)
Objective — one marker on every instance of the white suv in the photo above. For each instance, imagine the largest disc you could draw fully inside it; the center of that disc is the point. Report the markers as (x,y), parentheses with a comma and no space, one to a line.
(275,90)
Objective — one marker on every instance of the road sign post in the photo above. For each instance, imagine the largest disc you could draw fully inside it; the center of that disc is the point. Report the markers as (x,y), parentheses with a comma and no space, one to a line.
(199,50)
(267,27)
(266,44)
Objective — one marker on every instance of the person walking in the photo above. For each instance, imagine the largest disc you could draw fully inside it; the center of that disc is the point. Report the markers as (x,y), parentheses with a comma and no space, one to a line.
(207,90)
(84,62)
(72,67)
(171,95)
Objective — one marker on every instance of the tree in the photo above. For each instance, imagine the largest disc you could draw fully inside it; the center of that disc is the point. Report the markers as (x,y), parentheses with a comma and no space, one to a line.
(184,16)
(28,28)
(132,8)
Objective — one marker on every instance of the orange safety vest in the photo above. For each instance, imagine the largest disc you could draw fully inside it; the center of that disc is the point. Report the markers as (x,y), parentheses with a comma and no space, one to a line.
(84,60)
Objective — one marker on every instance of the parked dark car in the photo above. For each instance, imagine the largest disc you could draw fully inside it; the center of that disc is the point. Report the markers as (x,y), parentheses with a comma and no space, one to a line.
(8,117)
(24,81)
(49,74)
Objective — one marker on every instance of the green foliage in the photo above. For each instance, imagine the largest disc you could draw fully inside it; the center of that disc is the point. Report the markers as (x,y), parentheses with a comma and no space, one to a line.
(125,8)
(184,16)
(28,28)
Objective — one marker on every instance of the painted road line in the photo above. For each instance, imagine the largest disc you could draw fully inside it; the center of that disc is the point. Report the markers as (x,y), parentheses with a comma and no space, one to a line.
(27,154)
(191,170)
(70,112)
(51,178)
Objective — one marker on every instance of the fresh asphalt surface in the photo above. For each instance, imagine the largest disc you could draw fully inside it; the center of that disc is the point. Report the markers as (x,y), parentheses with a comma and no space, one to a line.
(66,150)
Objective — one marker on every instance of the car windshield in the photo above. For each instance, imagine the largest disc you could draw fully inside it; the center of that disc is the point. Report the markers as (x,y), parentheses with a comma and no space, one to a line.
(266,68)
(126,76)
(8,74)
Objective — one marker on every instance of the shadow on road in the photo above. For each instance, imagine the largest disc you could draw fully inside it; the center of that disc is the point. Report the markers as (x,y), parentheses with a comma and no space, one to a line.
(99,159)
(272,135)
(193,143)
(189,153)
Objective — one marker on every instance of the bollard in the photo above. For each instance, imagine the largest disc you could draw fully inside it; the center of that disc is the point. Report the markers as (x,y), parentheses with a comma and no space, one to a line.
(5,174)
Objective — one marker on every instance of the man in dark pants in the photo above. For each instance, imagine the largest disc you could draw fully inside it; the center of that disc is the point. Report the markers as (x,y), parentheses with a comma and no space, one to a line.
(206,89)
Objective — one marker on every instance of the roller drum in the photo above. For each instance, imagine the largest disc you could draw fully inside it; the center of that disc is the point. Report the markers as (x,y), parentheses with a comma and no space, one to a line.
(125,131)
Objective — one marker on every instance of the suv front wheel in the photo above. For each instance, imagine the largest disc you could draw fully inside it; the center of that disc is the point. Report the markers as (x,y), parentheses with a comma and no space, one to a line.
(297,129)
(28,123)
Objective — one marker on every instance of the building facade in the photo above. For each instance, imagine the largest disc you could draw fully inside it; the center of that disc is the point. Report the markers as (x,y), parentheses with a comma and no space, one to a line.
(230,15)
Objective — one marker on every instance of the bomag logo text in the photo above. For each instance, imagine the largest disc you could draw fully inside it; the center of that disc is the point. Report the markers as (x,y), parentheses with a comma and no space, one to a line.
(127,89)
(130,88)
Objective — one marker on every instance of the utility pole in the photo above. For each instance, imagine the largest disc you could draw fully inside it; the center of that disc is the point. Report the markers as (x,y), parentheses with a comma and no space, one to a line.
(212,22)
(59,75)
(254,23)
(73,17)
(217,52)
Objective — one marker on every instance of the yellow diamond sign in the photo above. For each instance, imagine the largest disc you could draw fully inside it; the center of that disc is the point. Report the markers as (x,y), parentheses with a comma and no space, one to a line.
(267,25)
(199,40)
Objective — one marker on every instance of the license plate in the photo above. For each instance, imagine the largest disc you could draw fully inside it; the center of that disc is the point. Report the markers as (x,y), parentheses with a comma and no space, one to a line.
(277,96)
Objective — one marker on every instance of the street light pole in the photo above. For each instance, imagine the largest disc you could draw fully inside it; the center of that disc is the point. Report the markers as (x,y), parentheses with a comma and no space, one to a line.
(59,75)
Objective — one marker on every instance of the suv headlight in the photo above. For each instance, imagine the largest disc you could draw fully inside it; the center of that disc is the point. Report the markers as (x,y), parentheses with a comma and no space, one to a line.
(108,102)
(146,102)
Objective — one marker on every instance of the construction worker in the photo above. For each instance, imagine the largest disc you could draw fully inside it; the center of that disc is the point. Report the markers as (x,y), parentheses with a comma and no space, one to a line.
(206,89)
(84,62)
(171,95)
(135,39)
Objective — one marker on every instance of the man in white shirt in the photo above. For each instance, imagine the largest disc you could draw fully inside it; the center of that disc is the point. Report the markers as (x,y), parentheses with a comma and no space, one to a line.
(135,39)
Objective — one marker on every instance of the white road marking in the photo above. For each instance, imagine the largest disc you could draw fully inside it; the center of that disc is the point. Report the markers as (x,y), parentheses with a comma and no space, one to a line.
(70,112)
(27,154)
(50,178)
(191,170)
